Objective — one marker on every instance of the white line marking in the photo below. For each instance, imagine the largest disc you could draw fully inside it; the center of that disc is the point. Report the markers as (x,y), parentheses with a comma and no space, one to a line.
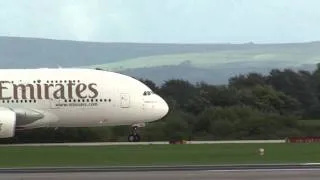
(310,163)
(261,170)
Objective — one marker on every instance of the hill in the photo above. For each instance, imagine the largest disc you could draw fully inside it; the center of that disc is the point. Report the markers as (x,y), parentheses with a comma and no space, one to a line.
(216,67)
(256,55)
(212,63)
(218,75)
(16,52)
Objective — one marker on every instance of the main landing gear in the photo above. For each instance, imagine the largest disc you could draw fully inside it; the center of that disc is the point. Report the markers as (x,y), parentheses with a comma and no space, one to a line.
(134,135)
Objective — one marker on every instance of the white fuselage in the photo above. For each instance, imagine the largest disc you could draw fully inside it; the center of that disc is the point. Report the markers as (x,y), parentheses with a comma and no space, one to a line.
(79,97)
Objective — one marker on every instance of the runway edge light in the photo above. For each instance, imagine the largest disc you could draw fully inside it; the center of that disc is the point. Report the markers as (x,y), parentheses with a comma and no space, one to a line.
(261,151)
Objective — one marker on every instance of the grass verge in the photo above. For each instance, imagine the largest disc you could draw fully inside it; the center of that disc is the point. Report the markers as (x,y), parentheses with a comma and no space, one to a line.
(158,155)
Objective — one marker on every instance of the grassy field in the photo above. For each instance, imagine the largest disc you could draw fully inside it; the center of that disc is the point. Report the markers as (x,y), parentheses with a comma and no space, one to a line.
(248,57)
(158,155)
(312,122)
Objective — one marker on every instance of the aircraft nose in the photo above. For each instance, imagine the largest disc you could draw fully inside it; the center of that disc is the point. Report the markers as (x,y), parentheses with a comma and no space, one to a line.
(163,108)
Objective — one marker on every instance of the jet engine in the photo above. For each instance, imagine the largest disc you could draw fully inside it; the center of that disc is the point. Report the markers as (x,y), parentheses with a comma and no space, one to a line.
(7,123)
(11,119)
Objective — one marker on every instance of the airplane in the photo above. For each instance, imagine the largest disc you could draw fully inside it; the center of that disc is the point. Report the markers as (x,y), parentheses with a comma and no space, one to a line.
(75,97)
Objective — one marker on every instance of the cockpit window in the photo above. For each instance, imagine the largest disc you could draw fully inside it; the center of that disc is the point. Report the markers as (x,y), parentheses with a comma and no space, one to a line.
(147,93)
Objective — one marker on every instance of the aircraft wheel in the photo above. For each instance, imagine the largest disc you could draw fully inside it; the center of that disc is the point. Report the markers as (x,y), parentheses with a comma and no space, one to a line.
(134,138)
(131,138)
(137,138)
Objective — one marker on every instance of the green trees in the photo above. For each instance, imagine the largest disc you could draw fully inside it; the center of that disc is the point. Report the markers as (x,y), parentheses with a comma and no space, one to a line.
(251,106)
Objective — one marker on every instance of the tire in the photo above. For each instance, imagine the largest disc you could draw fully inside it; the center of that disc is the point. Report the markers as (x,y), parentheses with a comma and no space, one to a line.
(137,138)
(131,138)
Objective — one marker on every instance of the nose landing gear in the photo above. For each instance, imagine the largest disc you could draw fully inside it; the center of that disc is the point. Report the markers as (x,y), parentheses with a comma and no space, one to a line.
(134,135)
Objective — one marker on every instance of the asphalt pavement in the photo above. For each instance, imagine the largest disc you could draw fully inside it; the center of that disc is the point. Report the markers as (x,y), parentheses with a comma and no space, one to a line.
(270,174)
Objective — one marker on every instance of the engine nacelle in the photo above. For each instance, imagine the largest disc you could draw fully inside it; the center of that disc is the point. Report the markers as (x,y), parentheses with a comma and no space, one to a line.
(7,123)
(26,116)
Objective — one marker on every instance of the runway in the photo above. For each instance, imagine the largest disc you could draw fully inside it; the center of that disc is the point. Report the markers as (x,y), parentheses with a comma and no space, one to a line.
(227,172)
(302,174)
(141,143)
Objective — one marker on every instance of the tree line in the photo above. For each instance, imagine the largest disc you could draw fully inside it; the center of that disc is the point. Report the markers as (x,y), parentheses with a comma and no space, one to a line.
(281,104)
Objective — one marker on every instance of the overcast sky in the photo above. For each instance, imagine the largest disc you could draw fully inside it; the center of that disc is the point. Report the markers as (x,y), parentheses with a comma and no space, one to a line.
(174,21)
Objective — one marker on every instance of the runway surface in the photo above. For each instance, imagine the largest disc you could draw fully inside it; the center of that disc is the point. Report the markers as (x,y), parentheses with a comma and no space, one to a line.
(227,172)
(306,174)
(143,143)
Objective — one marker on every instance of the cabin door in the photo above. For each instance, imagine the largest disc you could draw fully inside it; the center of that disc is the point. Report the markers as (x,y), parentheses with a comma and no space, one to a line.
(124,100)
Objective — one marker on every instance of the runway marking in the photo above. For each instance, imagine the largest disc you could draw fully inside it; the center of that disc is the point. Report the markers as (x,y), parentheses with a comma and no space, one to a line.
(261,170)
(310,163)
